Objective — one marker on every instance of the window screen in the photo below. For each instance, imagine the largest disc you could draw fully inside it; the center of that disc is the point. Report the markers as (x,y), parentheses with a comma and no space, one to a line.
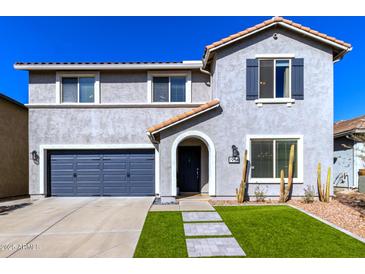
(177,88)
(262,158)
(69,90)
(86,90)
(282,157)
(272,155)
(160,89)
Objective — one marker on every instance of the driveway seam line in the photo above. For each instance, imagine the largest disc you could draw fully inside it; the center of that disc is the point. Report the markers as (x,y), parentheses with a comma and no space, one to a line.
(48,228)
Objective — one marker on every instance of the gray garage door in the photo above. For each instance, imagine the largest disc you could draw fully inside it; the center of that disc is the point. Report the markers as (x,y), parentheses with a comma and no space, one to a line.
(101,173)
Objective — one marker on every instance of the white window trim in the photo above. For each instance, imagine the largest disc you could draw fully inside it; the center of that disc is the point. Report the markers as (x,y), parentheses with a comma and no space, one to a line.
(60,75)
(151,74)
(299,179)
(275,56)
(43,159)
(287,100)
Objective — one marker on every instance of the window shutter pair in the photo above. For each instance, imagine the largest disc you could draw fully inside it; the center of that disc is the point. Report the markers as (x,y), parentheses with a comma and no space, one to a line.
(297,79)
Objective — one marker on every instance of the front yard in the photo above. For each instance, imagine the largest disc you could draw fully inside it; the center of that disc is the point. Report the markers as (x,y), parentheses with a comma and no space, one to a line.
(262,231)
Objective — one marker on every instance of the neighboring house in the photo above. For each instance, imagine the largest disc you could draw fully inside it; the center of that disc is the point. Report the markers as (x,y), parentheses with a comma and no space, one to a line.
(13,148)
(349,151)
(130,129)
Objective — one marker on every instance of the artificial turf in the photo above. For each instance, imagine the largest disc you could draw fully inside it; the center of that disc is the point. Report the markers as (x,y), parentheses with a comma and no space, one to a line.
(162,236)
(282,231)
(261,231)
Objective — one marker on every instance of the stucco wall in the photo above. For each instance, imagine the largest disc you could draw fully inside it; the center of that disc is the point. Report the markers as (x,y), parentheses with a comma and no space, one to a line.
(115,87)
(48,126)
(13,149)
(311,117)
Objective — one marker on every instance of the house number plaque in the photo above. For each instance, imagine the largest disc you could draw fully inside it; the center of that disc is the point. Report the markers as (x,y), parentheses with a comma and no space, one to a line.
(235,158)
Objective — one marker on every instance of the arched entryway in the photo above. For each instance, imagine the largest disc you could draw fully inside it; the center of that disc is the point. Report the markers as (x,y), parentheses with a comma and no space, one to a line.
(193,163)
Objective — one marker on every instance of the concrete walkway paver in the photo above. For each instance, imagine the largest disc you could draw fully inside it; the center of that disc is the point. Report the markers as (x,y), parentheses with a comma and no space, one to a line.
(213,247)
(206,229)
(201,223)
(195,206)
(201,216)
(185,205)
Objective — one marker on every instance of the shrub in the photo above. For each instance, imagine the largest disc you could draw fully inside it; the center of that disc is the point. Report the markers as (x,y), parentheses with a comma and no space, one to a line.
(309,194)
(260,194)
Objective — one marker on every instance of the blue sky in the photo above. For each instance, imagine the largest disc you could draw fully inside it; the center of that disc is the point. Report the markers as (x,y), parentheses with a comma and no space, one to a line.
(159,39)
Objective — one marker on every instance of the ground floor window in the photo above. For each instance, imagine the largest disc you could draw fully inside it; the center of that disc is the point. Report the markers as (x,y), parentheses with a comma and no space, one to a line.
(270,156)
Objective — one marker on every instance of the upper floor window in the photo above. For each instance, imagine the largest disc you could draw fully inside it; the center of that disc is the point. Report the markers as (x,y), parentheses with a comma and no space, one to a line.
(169,88)
(78,89)
(274,78)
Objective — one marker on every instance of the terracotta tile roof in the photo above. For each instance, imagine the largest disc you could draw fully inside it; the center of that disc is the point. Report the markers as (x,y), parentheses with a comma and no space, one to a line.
(184,116)
(271,21)
(351,125)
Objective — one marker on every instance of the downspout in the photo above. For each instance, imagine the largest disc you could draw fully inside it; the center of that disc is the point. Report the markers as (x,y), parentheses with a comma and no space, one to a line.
(210,80)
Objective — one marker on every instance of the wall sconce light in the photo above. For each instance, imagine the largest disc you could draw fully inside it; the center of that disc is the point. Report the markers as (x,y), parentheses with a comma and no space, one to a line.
(35,157)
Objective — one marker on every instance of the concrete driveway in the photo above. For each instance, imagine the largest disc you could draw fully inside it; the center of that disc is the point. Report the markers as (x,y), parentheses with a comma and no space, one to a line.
(74,227)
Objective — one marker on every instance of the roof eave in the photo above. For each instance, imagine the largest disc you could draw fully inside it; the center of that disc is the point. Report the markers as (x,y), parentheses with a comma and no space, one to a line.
(188,65)
(343,48)
(182,120)
(347,132)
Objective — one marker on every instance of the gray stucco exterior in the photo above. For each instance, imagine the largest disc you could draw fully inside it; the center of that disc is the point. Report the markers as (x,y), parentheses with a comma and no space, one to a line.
(230,124)
(312,117)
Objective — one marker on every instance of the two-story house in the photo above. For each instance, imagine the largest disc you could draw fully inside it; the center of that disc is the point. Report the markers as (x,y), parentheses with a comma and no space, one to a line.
(132,129)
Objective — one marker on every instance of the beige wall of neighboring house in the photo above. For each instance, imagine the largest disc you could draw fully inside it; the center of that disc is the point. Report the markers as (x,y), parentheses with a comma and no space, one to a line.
(13,148)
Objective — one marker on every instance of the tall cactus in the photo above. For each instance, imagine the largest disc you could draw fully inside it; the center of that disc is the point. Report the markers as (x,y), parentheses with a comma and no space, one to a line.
(328,183)
(285,192)
(240,192)
(289,188)
(282,187)
(319,183)
(323,193)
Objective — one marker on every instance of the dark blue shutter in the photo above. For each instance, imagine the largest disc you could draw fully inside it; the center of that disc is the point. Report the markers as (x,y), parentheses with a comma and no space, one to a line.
(297,79)
(252,84)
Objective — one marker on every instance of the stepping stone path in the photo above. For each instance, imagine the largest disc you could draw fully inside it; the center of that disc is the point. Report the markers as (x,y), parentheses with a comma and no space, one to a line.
(206,229)
(209,224)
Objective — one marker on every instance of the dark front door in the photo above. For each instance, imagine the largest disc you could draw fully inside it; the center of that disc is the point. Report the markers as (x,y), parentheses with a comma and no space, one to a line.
(189,169)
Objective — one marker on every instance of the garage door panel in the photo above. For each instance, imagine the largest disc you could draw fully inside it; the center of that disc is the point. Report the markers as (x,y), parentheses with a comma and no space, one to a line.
(102,172)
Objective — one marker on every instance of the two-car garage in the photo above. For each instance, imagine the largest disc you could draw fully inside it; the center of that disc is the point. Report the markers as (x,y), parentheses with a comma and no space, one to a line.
(101,172)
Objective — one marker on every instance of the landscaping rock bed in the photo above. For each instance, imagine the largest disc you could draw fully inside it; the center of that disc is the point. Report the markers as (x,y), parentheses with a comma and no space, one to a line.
(337,213)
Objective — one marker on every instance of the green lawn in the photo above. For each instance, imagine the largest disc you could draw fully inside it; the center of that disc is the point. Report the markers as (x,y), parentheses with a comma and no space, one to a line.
(262,231)
(281,231)
(162,236)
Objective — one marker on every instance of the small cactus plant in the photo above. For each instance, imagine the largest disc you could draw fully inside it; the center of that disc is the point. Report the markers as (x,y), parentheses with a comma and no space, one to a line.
(323,193)
(285,192)
(240,192)
(282,186)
